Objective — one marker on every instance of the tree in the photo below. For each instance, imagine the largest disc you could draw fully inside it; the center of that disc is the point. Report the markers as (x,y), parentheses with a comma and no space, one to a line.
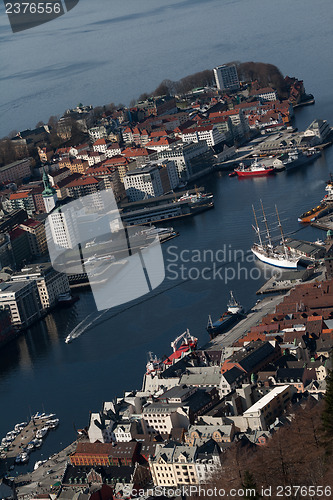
(39,124)
(249,485)
(327,415)
(52,122)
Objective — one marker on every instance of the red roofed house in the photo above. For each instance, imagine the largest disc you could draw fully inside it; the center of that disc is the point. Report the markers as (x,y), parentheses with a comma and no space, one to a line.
(21,200)
(105,454)
(85,186)
(101,145)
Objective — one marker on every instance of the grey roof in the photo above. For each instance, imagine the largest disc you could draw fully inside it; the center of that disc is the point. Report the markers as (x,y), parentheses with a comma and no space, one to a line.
(207,430)
(294,374)
(171,452)
(232,375)
(176,392)
(252,354)
(208,375)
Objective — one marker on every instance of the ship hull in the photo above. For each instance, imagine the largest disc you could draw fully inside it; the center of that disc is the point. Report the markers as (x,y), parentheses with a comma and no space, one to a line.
(258,173)
(220,326)
(283,263)
(325,210)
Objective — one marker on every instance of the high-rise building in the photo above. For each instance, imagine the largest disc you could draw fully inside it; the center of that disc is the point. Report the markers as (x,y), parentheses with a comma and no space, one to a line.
(226,77)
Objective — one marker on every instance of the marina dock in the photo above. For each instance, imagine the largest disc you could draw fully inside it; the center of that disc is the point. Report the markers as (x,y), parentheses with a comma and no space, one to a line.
(26,435)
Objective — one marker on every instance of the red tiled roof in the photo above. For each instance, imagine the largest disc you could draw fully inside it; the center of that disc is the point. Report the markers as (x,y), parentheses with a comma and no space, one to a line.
(19,195)
(31,223)
(100,142)
(83,181)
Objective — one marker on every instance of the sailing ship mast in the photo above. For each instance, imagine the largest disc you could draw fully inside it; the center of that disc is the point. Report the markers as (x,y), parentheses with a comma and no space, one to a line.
(257,230)
(281,230)
(267,230)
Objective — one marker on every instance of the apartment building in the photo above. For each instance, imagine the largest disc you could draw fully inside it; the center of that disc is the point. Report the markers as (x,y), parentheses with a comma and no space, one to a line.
(15,171)
(23,300)
(36,236)
(50,283)
(151,180)
(226,77)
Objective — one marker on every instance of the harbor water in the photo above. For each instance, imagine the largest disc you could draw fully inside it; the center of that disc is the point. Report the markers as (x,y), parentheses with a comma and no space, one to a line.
(39,371)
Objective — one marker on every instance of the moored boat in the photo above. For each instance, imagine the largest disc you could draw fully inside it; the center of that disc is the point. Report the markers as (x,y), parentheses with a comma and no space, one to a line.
(325,207)
(228,318)
(267,253)
(256,169)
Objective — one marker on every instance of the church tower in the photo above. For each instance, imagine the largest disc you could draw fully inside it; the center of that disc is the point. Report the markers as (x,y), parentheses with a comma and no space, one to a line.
(49,194)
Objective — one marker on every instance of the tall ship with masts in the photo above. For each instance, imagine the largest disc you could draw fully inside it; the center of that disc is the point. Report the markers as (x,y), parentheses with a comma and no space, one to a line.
(265,251)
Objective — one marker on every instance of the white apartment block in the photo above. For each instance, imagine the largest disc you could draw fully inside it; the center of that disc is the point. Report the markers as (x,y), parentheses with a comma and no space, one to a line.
(50,283)
(151,180)
(96,133)
(123,432)
(226,77)
(161,418)
(100,146)
(182,154)
(264,412)
(61,225)
(210,134)
(174,466)
(113,149)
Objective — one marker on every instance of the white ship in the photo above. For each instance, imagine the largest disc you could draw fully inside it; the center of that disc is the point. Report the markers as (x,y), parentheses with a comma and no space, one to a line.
(269,254)
(234,307)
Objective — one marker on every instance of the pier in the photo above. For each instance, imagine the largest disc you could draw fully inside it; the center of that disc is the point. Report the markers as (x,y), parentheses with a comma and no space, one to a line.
(21,441)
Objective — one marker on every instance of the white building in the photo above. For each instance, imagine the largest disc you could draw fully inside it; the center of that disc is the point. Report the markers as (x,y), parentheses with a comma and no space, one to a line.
(264,412)
(101,145)
(182,155)
(210,134)
(151,180)
(100,428)
(124,432)
(226,77)
(50,283)
(61,225)
(96,133)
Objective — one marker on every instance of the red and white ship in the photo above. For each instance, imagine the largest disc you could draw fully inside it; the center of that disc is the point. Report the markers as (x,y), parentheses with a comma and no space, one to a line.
(255,169)
(189,344)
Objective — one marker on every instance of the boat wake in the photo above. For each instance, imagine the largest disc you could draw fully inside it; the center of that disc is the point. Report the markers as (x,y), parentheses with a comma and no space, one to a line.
(84,325)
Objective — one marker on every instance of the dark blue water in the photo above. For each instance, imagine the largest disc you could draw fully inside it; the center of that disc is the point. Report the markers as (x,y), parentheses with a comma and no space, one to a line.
(97,58)
(111,51)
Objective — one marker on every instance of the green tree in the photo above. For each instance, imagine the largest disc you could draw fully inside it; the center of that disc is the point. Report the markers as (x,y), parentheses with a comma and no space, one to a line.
(249,486)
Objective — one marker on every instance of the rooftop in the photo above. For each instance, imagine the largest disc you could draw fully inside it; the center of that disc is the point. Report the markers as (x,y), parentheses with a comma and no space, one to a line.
(265,400)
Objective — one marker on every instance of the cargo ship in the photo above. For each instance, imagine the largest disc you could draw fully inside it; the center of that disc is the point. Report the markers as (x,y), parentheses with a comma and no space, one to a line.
(256,169)
(188,344)
(324,208)
(233,314)
(297,158)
